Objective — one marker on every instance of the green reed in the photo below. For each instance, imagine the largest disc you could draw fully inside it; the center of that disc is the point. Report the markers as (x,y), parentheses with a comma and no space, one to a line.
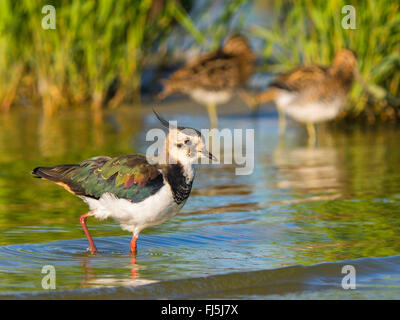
(95,44)
(303,32)
(98,46)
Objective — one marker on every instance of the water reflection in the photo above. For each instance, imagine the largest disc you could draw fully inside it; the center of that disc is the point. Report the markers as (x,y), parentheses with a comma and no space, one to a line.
(310,170)
(98,121)
(339,200)
(342,194)
(92,278)
(52,138)
(87,272)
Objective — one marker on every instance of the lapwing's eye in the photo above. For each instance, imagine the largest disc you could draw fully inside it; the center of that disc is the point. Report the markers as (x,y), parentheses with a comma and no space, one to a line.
(187,141)
(179,145)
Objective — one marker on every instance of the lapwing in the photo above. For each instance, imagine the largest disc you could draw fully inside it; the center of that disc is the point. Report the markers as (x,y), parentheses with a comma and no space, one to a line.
(212,78)
(311,94)
(131,189)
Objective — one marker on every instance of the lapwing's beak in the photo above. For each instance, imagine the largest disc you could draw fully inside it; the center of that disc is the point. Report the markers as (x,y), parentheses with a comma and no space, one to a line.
(208,155)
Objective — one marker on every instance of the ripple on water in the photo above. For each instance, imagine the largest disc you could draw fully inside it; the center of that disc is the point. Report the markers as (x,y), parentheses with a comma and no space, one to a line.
(335,202)
(376,278)
(160,257)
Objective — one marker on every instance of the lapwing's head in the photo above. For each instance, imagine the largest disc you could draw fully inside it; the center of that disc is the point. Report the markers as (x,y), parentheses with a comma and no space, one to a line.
(184,144)
(345,60)
(237,45)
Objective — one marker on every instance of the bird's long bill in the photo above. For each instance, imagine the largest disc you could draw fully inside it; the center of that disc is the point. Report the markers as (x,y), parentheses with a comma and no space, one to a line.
(208,154)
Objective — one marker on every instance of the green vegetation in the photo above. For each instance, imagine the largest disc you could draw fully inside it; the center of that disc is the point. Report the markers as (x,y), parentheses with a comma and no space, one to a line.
(218,26)
(100,47)
(97,47)
(95,43)
(311,31)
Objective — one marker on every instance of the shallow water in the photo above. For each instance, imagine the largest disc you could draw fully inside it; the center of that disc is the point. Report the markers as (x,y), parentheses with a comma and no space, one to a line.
(285,231)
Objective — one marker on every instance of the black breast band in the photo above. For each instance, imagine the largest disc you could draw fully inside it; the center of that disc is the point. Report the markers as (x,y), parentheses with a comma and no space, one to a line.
(177,180)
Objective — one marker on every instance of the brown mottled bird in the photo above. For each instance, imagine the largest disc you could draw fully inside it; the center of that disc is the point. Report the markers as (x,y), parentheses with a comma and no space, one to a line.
(311,94)
(211,78)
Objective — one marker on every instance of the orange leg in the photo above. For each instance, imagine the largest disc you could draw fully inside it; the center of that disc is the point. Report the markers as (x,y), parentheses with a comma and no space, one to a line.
(83,218)
(133,245)
(134,272)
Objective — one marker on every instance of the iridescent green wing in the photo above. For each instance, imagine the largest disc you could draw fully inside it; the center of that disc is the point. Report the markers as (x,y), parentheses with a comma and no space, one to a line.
(128,177)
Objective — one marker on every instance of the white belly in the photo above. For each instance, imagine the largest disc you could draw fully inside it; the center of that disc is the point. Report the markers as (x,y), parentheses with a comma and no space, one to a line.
(210,97)
(134,217)
(309,111)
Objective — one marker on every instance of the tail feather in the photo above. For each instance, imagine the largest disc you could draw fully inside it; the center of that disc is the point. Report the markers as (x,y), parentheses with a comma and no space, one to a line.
(172,86)
(268,95)
(61,175)
(55,174)
(168,90)
(248,98)
(254,101)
